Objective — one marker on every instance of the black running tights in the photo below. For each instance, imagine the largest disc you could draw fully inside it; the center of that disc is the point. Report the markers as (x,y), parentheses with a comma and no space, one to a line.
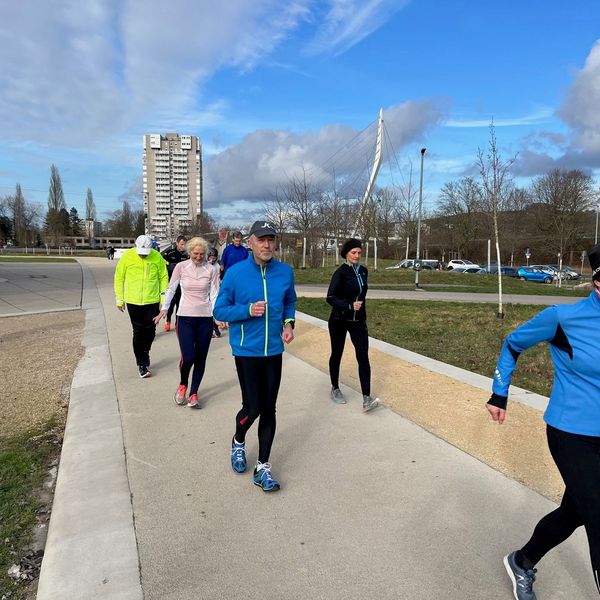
(194,335)
(578,460)
(144,329)
(359,336)
(259,381)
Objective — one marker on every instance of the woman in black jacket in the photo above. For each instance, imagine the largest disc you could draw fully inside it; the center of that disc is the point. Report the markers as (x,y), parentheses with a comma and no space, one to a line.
(346,294)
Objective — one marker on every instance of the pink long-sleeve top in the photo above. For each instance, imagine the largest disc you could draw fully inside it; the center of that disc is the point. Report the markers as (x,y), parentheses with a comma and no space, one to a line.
(199,289)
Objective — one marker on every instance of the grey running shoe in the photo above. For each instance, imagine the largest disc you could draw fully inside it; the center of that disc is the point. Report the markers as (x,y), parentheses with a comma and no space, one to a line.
(522,579)
(369,403)
(144,371)
(337,396)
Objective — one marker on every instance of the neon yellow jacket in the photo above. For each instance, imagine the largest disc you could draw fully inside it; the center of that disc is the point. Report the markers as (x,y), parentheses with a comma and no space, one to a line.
(140,280)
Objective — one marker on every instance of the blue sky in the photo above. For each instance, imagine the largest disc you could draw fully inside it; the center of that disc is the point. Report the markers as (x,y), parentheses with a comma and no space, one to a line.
(273,87)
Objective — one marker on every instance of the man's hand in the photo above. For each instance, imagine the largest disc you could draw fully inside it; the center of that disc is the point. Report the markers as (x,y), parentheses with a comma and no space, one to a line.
(497,414)
(121,307)
(288,334)
(257,309)
(357,304)
(159,316)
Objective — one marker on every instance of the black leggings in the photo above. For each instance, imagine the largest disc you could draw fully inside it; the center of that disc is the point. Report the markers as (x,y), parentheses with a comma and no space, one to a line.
(144,329)
(194,335)
(359,336)
(259,380)
(578,460)
(174,304)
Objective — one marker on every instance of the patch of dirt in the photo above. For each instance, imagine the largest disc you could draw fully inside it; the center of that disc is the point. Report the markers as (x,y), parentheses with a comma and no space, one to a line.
(38,354)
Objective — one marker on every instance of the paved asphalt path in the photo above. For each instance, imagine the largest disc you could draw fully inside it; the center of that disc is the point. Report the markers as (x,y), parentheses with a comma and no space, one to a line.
(320,290)
(39,287)
(371,506)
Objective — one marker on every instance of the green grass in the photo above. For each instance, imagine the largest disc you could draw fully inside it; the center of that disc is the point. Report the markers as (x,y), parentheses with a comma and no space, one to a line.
(24,464)
(465,335)
(34,258)
(437,281)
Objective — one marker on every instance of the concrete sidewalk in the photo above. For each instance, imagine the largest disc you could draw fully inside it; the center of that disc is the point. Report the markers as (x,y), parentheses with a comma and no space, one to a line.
(371,506)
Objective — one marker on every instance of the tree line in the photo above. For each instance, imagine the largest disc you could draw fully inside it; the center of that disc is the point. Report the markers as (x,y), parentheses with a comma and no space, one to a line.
(554,215)
(26,223)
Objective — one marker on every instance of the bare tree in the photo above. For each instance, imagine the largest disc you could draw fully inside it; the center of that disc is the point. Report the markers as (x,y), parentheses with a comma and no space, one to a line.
(304,201)
(276,210)
(496,186)
(460,203)
(562,199)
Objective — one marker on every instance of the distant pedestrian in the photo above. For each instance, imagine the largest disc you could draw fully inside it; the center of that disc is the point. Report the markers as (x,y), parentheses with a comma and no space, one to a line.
(140,283)
(174,255)
(572,425)
(110,253)
(233,253)
(199,283)
(257,298)
(346,295)
(213,259)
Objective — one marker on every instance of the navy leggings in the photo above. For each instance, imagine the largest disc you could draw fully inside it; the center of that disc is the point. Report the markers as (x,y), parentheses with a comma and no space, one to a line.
(578,460)
(259,377)
(194,335)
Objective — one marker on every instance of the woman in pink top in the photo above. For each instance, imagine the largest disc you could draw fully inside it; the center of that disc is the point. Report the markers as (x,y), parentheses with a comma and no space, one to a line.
(199,282)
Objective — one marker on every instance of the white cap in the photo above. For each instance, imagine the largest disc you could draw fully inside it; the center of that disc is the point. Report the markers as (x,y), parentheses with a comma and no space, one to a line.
(143,245)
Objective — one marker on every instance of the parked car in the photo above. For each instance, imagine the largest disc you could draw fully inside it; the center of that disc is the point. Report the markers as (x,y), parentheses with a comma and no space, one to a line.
(474,269)
(552,270)
(405,263)
(409,263)
(459,262)
(567,272)
(507,271)
(534,274)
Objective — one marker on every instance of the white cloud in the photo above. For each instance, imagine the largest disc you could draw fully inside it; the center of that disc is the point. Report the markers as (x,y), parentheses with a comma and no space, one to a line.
(347,22)
(73,72)
(580,110)
(267,158)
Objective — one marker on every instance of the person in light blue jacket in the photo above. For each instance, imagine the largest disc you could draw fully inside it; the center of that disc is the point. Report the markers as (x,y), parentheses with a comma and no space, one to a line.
(572,423)
(257,299)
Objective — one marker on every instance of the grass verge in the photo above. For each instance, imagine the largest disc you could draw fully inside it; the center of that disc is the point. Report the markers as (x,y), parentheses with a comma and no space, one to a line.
(24,463)
(464,335)
(437,281)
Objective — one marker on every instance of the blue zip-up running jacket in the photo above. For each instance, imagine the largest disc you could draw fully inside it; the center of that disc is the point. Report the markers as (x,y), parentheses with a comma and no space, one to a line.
(247,282)
(572,332)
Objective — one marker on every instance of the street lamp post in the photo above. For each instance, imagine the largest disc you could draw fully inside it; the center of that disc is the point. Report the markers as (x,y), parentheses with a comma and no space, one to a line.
(596,235)
(417,265)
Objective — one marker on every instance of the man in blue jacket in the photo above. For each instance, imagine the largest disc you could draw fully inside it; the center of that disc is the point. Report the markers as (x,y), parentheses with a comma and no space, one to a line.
(234,253)
(257,299)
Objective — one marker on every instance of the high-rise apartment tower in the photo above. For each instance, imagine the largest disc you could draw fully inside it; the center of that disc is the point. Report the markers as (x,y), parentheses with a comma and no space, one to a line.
(172,183)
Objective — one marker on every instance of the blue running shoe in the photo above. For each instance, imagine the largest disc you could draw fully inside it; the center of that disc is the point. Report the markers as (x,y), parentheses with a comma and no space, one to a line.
(522,579)
(264,479)
(238,456)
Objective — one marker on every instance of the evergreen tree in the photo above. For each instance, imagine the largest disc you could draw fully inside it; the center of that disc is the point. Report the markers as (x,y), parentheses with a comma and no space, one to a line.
(56,224)
(74,222)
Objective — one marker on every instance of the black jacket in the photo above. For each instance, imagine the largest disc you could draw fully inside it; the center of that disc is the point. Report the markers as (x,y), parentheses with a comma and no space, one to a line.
(346,287)
(173,256)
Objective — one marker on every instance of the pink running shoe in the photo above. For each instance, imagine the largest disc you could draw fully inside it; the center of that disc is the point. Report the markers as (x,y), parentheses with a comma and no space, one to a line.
(193,401)
(179,397)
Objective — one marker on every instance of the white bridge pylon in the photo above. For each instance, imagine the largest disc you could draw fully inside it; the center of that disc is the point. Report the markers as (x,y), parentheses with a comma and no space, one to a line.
(374,172)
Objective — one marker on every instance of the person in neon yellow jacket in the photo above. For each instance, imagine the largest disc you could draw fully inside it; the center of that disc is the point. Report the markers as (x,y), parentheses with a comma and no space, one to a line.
(141,280)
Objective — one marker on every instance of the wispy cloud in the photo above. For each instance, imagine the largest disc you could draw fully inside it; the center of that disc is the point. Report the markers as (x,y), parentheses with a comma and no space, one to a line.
(347,22)
(81,71)
(541,115)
